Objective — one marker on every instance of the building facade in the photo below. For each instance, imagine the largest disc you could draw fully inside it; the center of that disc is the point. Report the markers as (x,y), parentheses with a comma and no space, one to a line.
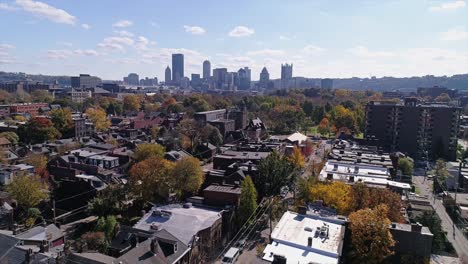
(326,83)
(423,131)
(286,71)
(177,68)
(264,78)
(167,75)
(206,69)
(132,79)
(85,81)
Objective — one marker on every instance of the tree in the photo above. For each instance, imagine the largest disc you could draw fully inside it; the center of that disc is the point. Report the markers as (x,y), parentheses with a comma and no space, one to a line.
(211,134)
(191,130)
(275,172)
(110,201)
(131,103)
(11,136)
(99,118)
(439,240)
(362,197)
(325,127)
(107,226)
(296,158)
(440,171)
(370,234)
(152,178)
(343,117)
(41,96)
(38,130)
(148,150)
(334,194)
(443,97)
(39,161)
(62,120)
(28,191)
(247,200)
(93,241)
(189,175)
(308,149)
(406,166)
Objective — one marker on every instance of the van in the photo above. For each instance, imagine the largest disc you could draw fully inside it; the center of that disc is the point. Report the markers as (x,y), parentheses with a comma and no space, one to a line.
(231,256)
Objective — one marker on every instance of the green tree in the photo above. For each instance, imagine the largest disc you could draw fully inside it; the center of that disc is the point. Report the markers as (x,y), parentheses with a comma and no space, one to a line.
(152,178)
(131,103)
(275,171)
(28,191)
(62,120)
(191,130)
(99,118)
(93,241)
(189,175)
(107,225)
(148,150)
(38,130)
(41,96)
(211,134)
(439,240)
(110,201)
(11,136)
(406,166)
(248,200)
(440,171)
(370,235)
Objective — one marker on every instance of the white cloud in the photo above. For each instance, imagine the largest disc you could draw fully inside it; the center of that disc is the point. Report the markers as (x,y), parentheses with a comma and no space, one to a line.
(284,37)
(122,23)
(448,6)
(454,34)
(266,52)
(123,33)
(312,49)
(6,46)
(85,26)
(87,52)
(58,54)
(142,43)
(46,11)
(362,51)
(241,31)
(154,24)
(194,30)
(116,43)
(7,7)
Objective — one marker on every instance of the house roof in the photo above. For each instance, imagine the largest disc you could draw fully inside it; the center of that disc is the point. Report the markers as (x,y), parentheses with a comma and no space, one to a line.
(223,189)
(297,137)
(4,141)
(89,258)
(40,233)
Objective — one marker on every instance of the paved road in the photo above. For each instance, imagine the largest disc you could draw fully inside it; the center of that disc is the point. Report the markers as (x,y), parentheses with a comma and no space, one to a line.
(455,236)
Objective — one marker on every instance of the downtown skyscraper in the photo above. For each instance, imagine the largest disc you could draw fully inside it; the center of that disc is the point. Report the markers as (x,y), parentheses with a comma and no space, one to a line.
(177,68)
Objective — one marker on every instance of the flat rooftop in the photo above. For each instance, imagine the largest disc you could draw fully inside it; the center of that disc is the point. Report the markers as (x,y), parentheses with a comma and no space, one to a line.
(183,223)
(291,239)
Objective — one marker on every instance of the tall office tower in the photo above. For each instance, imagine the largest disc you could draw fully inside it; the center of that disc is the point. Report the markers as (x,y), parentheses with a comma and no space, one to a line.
(167,75)
(232,79)
(219,76)
(264,78)
(206,69)
(195,81)
(286,71)
(419,130)
(326,83)
(244,78)
(132,79)
(85,81)
(177,68)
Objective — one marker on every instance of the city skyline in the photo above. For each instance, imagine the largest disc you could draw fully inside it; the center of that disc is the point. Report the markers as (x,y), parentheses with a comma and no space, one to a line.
(320,39)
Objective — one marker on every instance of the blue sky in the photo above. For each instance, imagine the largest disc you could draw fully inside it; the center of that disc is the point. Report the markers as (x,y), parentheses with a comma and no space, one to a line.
(111,38)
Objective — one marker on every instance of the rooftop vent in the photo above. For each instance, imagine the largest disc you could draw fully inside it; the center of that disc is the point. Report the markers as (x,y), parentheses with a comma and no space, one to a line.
(309,241)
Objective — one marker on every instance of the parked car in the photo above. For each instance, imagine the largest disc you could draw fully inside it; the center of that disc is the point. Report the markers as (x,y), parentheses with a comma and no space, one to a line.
(240,244)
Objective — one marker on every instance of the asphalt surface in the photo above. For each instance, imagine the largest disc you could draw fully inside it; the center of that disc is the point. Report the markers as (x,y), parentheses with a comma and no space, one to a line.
(454,235)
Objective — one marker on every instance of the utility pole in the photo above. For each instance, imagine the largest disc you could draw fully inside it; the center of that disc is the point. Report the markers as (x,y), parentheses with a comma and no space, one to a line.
(53,209)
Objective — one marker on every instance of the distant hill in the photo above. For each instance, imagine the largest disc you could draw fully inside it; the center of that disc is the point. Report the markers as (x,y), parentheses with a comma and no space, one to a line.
(459,81)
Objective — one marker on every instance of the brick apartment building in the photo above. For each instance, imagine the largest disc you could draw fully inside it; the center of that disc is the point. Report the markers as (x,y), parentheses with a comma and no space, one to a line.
(32,109)
(418,130)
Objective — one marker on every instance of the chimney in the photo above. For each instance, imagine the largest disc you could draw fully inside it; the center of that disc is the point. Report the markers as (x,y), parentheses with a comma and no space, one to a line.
(302,210)
(153,247)
(309,241)
(29,256)
(416,228)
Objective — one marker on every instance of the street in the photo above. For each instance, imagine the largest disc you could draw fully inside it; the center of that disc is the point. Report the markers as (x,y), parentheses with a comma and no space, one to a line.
(458,240)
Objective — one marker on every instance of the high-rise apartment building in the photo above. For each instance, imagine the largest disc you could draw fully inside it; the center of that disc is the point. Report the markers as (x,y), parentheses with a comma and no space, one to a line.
(219,77)
(177,68)
(419,130)
(264,78)
(206,69)
(286,71)
(85,81)
(132,79)
(167,75)
(244,78)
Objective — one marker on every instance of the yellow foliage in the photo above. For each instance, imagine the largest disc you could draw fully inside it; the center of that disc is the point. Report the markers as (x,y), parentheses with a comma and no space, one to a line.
(334,194)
